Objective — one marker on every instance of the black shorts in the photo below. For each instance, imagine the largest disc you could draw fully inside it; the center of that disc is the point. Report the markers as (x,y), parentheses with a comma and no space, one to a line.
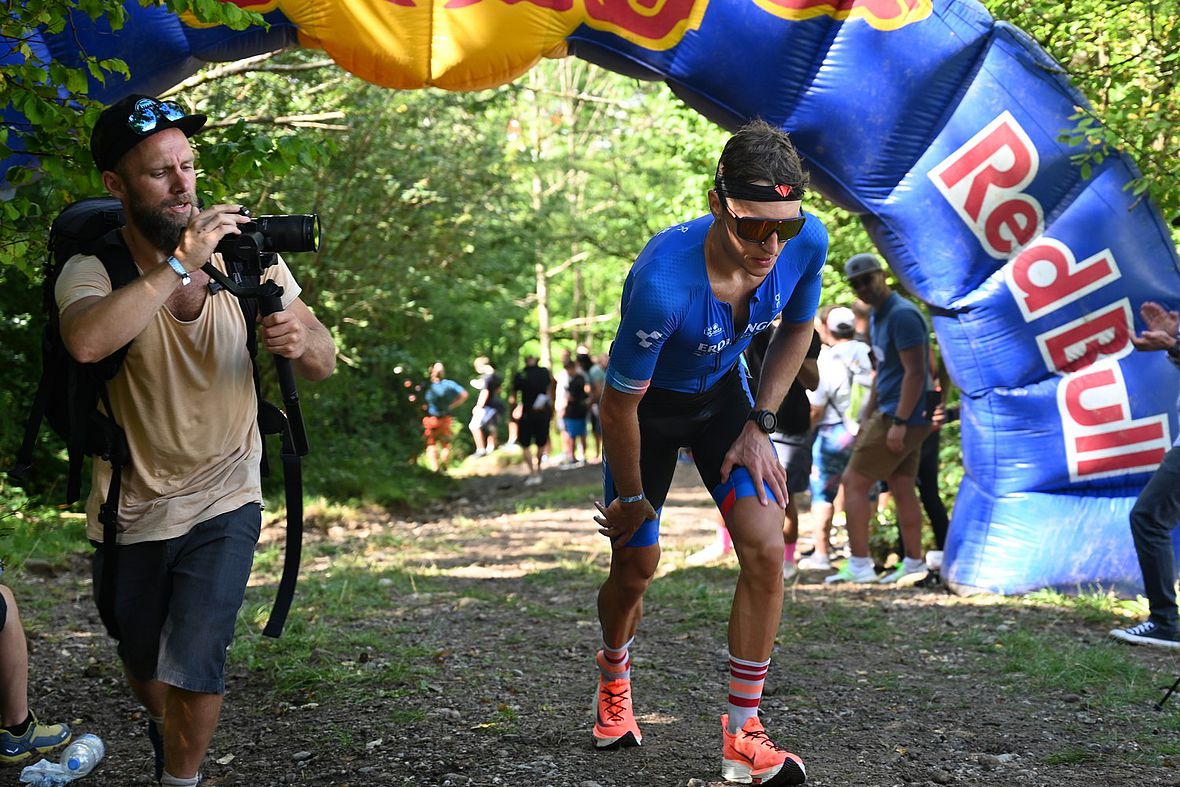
(3,611)
(533,429)
(708,423)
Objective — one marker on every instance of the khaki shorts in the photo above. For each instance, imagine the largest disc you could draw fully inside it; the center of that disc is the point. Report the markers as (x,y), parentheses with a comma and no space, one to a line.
(871,457)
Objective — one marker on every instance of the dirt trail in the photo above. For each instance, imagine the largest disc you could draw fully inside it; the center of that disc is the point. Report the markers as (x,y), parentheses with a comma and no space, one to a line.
(512,640)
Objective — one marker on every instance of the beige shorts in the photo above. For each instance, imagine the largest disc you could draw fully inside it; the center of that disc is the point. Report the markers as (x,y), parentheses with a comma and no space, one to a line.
(871,457)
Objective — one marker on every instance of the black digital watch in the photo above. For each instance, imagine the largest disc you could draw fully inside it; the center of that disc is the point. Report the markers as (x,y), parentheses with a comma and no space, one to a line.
(766,420)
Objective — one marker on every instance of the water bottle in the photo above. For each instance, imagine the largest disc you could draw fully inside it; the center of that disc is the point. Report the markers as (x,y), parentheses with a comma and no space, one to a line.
(81,756)
(78,759)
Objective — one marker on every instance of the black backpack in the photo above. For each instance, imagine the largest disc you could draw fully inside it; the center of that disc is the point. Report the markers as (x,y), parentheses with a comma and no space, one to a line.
(69,392)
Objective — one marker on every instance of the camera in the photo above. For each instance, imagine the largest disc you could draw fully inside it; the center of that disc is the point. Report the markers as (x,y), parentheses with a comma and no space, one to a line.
(262,237)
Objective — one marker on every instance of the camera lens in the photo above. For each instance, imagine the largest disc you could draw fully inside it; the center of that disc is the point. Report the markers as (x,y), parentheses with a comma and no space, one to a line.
(295,232)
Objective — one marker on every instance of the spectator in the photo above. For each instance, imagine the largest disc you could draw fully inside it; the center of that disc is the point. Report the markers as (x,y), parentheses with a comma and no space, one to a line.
(442,396)
(489,407)
(532,409)
(843,367)
(21,735)
(1157,511)
(597,377)
(573,415)
(190,502)
(892,425)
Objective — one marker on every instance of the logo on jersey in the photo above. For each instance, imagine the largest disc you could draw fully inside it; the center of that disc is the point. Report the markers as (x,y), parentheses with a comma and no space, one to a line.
(713,330)
(646,339)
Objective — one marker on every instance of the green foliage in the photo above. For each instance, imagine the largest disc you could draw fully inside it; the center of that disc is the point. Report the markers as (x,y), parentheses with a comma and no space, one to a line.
(1125,58)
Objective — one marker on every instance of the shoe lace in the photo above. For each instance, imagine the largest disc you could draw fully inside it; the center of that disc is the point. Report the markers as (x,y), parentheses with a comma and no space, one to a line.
(614,703)
(760,738)
(1143,628)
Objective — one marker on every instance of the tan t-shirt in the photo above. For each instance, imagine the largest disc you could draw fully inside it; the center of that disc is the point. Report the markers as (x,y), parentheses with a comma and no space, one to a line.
(185,397)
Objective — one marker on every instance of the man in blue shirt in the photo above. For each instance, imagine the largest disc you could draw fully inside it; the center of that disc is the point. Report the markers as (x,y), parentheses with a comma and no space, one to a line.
(692,301)
(893,424)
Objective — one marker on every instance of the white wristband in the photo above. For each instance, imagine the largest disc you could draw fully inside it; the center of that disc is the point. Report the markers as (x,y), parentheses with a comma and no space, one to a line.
(631,498)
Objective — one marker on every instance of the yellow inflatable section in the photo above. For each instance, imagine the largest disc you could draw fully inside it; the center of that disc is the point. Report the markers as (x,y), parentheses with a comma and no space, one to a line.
(469,44)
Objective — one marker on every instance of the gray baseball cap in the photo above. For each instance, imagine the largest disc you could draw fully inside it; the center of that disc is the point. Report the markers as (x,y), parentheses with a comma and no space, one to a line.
(859,264)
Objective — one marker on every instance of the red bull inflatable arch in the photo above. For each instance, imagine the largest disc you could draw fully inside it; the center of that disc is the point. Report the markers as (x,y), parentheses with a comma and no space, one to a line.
(935,123)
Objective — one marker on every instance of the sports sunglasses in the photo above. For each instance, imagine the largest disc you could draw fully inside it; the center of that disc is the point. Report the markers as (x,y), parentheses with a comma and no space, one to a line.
(758,230)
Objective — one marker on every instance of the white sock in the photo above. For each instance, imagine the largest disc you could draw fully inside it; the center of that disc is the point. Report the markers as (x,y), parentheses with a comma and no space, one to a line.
(914,564)
(860,562)
(168,780)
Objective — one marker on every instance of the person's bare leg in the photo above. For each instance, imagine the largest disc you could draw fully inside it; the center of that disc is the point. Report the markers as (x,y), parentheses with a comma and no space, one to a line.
(857,508)
(620,599)
(757,533)
(190,719)
(909,514)
(14,667)
(823,527)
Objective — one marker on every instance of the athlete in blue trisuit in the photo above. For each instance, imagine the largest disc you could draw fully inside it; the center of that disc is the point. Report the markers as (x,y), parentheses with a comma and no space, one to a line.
(692,301)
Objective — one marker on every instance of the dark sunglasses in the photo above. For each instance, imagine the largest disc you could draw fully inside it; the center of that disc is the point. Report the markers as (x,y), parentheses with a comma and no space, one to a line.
(757,230)
(148,112)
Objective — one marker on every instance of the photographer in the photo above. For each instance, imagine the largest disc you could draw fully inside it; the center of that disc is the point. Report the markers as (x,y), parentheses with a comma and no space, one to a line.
(190,506)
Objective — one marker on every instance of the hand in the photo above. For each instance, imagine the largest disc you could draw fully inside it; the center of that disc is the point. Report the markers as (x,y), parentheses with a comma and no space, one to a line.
(753,451)
(1159,319)
(619,520)
(283,334)
(1161,328)
(205,230)
(895,438)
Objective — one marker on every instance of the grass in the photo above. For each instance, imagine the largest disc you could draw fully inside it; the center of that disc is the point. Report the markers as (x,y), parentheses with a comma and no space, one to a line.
(559,497)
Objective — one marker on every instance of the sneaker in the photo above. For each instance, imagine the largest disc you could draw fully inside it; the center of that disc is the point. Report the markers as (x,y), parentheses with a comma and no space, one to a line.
(750,757)
(38,738)
(532,480)
(1148,633)
(905,575)
(790,570)
(848,575)
(815,563)
(614,721)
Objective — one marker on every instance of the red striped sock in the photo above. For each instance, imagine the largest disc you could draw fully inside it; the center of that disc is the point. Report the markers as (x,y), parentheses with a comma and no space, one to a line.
(615,663)
(745,690)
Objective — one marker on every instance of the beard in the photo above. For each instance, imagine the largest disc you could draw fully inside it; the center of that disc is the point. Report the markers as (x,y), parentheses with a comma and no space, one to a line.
(159,226)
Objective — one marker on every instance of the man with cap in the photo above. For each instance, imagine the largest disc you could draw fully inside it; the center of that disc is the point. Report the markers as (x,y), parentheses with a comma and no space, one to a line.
(691,304)
(189,508)
(892,425)
(845,369)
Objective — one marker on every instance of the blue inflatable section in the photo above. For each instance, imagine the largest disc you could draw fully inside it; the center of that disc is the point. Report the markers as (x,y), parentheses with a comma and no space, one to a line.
(939,126)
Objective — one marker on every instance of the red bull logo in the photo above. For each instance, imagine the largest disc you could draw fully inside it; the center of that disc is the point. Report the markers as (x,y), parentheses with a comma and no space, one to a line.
(879,14)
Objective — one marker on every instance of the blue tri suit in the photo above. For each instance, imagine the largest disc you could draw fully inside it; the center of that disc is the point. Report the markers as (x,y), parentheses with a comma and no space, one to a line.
(678,346)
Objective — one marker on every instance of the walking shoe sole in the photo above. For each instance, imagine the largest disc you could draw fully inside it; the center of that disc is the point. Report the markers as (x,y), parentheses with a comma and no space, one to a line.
(790,772)
(13,760)
(610,744)
(1135,639)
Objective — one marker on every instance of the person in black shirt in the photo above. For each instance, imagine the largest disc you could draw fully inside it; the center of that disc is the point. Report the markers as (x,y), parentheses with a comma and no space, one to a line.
(532,410)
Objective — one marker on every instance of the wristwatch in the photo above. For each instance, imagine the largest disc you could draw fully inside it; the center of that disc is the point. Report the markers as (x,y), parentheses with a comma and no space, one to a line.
(766,420)
(897,421)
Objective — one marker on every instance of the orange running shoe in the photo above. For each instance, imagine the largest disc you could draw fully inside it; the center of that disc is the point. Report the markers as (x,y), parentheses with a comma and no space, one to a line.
(614,722)
(750,757)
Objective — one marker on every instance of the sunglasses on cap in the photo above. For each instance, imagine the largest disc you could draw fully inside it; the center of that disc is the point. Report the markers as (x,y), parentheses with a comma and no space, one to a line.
(759,230)
(148,113)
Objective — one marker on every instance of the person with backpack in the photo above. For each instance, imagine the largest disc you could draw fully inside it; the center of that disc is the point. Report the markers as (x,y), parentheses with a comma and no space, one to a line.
(189,502)
(844,366)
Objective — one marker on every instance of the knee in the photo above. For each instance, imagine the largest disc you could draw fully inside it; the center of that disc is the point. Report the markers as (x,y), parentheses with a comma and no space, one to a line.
(1143,520)
(762,560)
(632,574)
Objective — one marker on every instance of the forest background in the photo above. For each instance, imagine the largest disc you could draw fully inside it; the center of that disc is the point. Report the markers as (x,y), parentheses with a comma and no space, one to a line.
(499,223)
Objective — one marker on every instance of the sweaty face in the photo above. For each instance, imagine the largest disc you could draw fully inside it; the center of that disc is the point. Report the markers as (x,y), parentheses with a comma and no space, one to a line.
(159,181)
